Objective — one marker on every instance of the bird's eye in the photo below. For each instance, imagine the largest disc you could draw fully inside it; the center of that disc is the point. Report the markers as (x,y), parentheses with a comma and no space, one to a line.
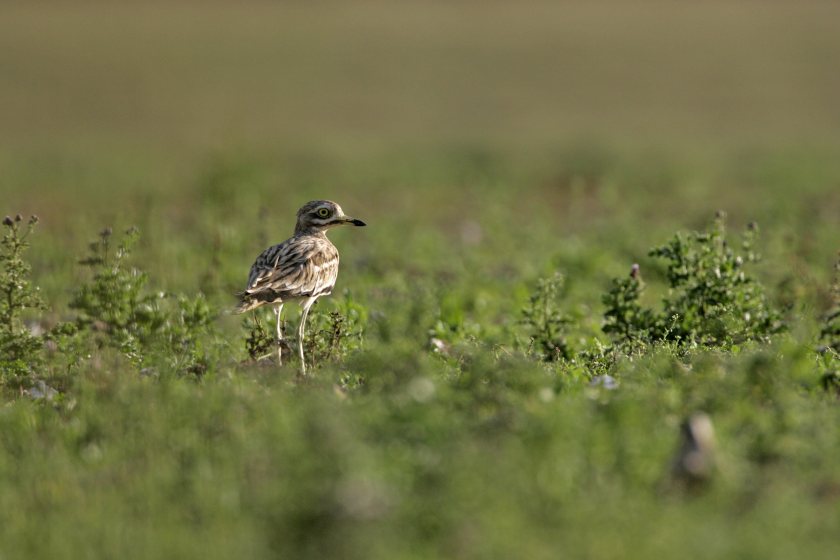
(323,212)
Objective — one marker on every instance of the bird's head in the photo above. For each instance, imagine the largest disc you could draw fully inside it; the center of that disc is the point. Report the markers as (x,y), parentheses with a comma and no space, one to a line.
(321,215)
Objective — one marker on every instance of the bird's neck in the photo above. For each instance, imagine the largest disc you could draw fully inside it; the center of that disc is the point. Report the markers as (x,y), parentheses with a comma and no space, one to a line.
(309,230)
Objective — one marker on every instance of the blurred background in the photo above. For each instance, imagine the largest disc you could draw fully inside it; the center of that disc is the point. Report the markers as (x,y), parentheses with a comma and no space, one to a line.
(215,119)
(360,77)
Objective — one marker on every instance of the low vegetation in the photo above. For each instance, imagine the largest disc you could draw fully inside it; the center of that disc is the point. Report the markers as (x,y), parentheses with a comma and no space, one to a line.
(414,446)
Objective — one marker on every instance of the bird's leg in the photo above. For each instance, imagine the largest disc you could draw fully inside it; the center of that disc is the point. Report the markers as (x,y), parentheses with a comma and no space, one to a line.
(277,311)
(301,329)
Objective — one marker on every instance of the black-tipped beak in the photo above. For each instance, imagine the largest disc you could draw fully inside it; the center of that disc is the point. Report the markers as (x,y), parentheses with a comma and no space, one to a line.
(356,222)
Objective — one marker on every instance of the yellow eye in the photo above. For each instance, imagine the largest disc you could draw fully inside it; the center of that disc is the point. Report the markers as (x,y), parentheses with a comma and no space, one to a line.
(323,212)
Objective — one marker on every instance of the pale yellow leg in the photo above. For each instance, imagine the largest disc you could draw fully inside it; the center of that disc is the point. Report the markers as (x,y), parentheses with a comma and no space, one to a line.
(301,329)
(277,311)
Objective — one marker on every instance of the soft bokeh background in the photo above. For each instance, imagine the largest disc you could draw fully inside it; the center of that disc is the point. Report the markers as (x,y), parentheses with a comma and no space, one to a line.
(360,77)
(487,144)
(208,124)
(110,110)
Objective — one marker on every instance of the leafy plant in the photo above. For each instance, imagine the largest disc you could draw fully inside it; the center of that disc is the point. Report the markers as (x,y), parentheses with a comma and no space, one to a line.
(182,334)
(115,302)
(625,319)
(259,343)
(715,302)
(332,335)
(711,301)
(20,350)
(145,326)
(546,322)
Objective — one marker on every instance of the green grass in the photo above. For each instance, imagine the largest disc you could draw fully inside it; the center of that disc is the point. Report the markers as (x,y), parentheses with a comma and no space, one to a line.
(488,147)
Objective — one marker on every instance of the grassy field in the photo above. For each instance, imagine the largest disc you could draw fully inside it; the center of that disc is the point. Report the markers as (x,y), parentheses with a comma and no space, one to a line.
(465,401)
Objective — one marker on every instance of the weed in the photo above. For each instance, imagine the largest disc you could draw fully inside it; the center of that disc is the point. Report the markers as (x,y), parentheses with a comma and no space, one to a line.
(332,335)
(20,350)
(182,334)
(68,351)
(711,301)
(715,302)
(625,319)
(546,322)
(115,304)
(147,327)
(259,342)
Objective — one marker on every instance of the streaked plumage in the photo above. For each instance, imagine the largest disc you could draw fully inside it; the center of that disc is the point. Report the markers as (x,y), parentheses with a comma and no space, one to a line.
(302,268)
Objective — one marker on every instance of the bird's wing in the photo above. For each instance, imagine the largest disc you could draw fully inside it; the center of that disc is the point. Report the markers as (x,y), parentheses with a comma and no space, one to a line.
(299,267)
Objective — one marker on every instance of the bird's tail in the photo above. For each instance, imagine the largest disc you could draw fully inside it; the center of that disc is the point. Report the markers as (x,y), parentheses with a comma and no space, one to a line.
(245,303)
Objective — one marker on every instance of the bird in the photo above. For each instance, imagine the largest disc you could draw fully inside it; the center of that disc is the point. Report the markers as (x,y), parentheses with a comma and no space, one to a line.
(301,268)
(694,463)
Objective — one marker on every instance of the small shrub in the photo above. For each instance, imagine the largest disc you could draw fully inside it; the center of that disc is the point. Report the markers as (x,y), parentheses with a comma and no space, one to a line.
(329,336)
(115,303)
(546,322)
(332,335)
(259,342)
(711,300)
(625,319)
(714,300)
(183,331)
(20,350)
(147,327)
(67,351)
